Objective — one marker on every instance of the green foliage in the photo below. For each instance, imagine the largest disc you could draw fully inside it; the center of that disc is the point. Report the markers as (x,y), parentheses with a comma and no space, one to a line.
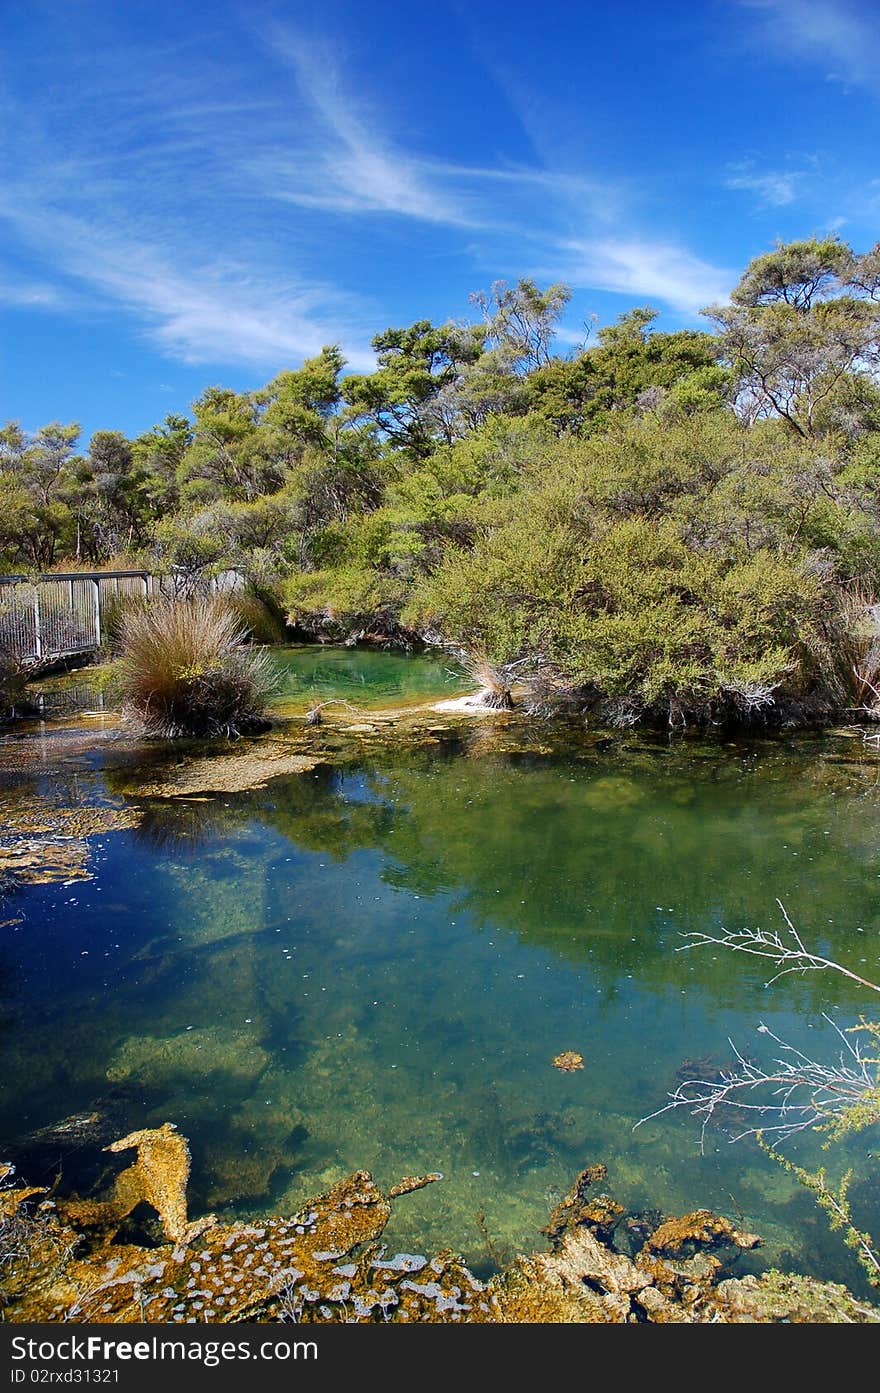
(803,337)
(629,370)
(416,364)
(521,321)
(835,1204)
(37,477)
(635,570)
(664,525)
(257,617)
(796,272)
(865,1112)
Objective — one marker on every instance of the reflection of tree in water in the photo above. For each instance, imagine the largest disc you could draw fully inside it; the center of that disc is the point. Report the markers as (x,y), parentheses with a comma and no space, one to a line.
(611,861)
(185,824)
(608,860)
(322,811)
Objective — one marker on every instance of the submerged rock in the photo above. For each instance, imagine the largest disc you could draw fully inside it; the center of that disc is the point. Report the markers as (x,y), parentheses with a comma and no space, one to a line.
(188,1055)
(325,1263)
(158,1178)
(230,773)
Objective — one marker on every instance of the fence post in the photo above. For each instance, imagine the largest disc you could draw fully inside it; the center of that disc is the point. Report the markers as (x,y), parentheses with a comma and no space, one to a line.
(97,586)
(38,636)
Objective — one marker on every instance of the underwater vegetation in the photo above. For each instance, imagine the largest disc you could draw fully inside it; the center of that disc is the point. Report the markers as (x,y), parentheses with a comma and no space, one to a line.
(62,1260)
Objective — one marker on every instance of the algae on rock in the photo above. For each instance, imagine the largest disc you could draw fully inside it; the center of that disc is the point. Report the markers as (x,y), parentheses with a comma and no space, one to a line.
(326,1263)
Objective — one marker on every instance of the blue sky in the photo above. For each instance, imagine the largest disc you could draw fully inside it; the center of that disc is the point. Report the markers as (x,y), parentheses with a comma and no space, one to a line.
(198,193)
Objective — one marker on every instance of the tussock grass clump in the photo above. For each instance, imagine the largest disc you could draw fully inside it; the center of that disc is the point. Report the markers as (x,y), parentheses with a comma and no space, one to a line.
(187,670)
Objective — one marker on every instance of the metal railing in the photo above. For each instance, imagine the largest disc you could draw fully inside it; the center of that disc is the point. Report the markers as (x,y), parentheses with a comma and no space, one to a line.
(61,614)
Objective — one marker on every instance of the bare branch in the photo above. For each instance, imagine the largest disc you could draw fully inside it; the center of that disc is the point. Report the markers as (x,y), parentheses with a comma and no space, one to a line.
(788,957)
(799,1092)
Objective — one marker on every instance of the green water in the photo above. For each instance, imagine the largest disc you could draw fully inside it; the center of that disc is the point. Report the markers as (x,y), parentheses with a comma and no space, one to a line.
(365,677)
(374,966)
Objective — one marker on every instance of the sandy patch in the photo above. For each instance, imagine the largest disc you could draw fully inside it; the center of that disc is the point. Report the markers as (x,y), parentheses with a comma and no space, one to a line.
(467,705)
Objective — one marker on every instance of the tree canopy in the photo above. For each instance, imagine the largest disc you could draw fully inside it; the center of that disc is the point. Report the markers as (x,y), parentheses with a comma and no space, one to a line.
(660,524)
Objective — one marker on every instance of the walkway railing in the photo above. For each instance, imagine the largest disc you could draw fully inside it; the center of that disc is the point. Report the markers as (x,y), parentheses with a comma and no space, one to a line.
(61,614)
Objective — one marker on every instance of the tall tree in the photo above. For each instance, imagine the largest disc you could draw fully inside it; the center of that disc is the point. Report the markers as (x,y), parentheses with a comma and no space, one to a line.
(800,332)
(159,453)
(37,473)
(117,488)
(416,364)
(521,320)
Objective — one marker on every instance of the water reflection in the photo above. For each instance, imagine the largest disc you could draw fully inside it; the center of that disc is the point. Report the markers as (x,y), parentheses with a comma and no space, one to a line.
(375,964)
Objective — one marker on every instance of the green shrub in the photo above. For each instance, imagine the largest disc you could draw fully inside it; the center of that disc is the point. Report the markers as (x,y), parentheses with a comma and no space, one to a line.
(257,617)
(676,574)
(186,670)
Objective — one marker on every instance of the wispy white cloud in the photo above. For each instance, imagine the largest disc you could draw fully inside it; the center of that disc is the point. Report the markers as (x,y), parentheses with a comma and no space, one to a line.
(196,312)
(774,188)
(168,212)
(351,167)
(657,271)
(29,294)
(841,36)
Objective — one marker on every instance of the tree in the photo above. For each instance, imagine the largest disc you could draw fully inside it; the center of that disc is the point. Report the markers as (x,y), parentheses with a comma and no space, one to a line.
(521,321)
(225,457)
(634,574)
(297,407)
(159,453)
(797,340)
(865,273)
(416,364)
(633,367)
(117,490)
(797,273)
(36,473)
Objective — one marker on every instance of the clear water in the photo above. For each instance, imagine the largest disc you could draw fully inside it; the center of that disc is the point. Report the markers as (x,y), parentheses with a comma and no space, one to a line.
(374,966)
(365,677)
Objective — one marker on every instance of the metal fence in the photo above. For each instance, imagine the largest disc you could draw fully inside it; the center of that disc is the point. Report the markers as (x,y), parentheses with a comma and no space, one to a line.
(57,615)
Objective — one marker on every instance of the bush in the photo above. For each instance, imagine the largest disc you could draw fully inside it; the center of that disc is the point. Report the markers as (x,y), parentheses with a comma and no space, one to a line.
(257,616)
(674,574)
(186,670)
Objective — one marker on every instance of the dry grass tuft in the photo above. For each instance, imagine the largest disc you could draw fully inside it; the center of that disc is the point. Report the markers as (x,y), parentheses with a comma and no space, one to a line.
(186,670)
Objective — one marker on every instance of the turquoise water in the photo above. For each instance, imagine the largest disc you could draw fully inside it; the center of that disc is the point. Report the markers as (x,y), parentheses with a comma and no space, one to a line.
(365,677)
(375,965)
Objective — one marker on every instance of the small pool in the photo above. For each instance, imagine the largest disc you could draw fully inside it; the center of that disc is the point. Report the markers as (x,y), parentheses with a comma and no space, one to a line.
(368,678)
(375,963)
(365,677)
